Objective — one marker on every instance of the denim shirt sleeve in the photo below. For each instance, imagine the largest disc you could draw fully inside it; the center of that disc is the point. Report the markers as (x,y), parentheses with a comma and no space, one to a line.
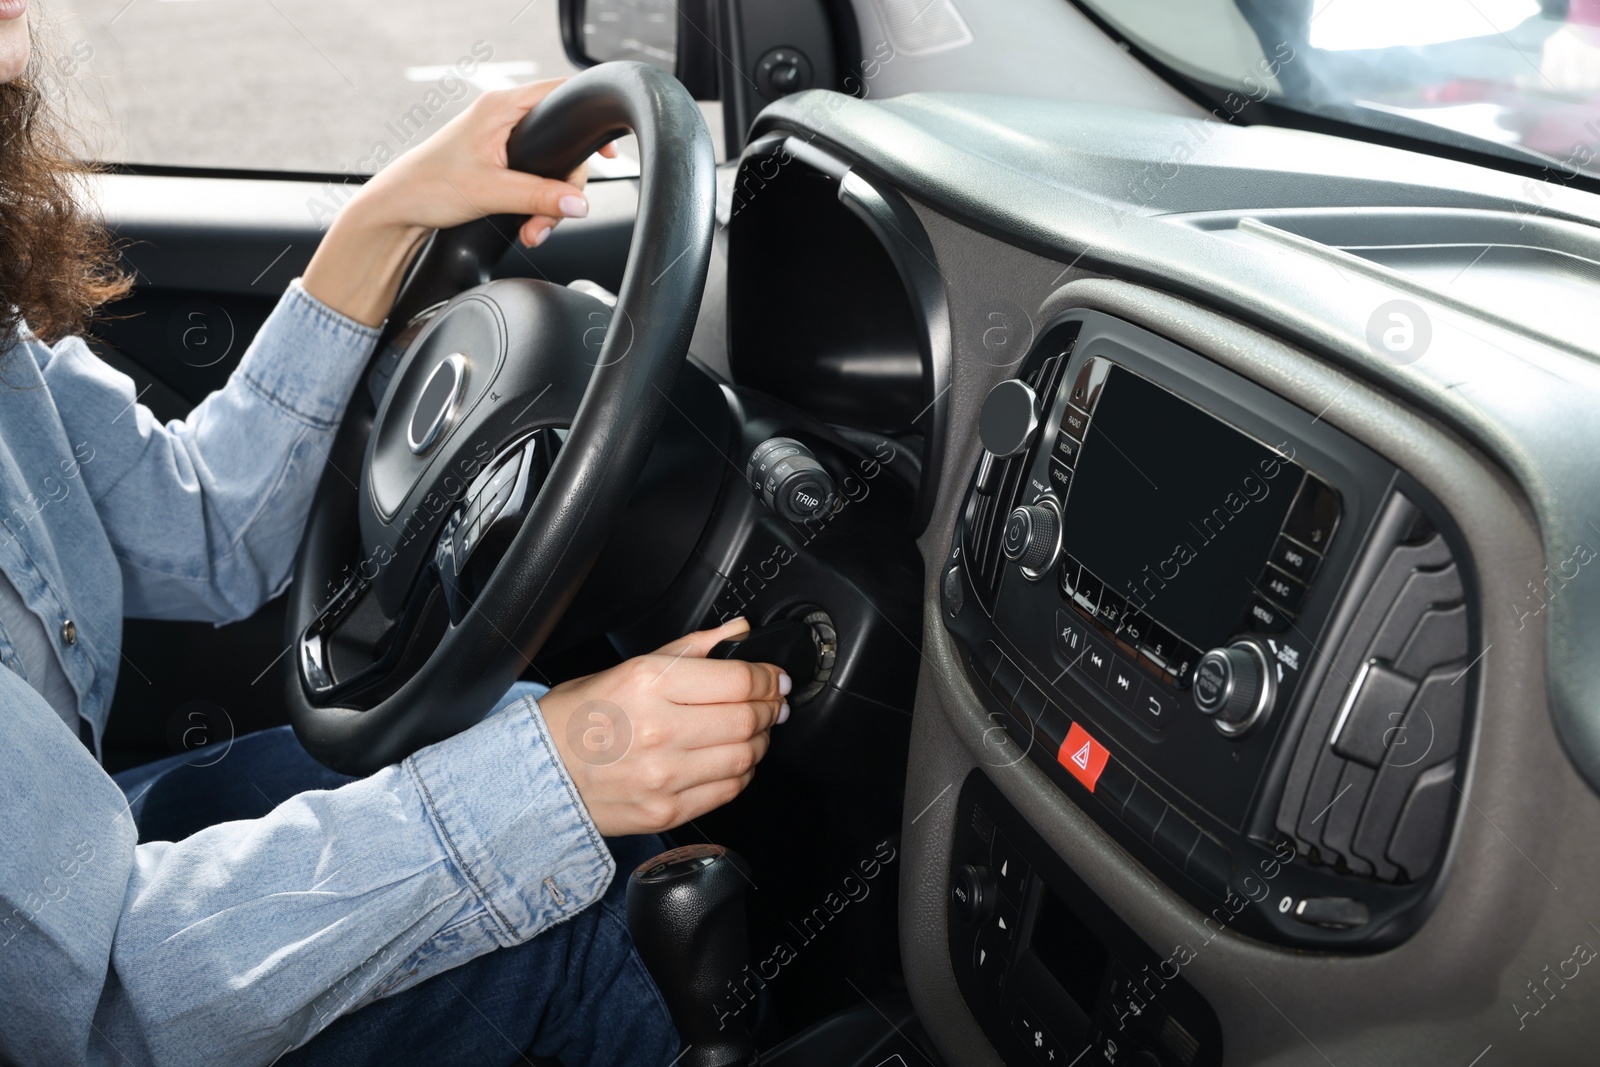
(205,514)
(248,938)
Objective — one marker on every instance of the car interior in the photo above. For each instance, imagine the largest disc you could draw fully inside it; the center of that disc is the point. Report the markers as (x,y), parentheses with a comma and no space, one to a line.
(1159,440)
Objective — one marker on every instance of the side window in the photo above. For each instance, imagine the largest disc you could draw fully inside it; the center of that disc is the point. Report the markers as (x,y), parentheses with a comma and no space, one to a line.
(324,87)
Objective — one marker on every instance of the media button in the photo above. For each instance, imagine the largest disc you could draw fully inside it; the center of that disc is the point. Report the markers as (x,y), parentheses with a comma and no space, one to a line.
(1294,558)
(1282,589)
(1265,617)
(1122,683)
(1314,514)
(1156,705)
(1074,423)
(1096,663)
(1067,448)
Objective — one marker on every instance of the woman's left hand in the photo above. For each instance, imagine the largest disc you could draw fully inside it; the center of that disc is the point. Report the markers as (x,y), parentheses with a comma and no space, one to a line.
(457,175)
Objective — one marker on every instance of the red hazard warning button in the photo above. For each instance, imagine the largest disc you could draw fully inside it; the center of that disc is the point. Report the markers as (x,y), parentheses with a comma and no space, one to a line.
(1083,756)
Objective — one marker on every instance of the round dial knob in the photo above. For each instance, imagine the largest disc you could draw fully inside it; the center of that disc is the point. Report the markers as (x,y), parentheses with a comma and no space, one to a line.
(1234,686)
(1009,418)
(972,893)
(788,478)
(1033,538)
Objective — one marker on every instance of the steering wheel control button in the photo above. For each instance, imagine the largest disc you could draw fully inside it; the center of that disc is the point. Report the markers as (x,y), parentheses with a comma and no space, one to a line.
(1334,913)
(1032,538)
(439,403)
(1083,756)
(972,893)
(1009,418)
(1234,686)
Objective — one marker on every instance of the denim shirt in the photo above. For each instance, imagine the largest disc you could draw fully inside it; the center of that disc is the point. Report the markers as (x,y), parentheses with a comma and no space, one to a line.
(247,938)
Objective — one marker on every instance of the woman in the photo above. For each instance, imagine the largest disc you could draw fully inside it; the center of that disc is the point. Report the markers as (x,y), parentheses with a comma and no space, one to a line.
(461,907)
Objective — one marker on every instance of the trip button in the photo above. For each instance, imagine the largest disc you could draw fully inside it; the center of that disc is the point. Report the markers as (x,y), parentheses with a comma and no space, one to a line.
(1294,558)
(1284,591)
(1314,514)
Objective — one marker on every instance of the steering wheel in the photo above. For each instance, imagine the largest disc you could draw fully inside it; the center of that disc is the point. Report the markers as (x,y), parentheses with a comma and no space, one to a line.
(506,444)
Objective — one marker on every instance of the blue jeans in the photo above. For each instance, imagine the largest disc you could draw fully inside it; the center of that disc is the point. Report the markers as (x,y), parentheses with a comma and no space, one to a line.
(578,993)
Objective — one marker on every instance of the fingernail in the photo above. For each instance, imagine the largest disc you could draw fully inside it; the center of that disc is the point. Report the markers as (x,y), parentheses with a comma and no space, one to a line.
(785,683)
(783,712)
(573,207)
(539,236)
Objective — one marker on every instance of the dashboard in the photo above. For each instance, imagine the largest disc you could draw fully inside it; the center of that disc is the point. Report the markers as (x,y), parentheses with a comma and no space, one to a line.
(1251,676)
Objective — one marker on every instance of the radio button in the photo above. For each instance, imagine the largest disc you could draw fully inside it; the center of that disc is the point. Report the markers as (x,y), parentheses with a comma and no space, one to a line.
(1135,626)
(1294,558)
(1282,589)
(1074,423)
(1159,645)
(1314,514)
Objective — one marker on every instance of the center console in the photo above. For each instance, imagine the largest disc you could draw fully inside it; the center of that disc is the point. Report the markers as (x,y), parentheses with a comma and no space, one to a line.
(1237,638)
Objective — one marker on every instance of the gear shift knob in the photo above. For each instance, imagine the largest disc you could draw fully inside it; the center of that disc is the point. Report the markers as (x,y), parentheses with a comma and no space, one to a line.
(686,915)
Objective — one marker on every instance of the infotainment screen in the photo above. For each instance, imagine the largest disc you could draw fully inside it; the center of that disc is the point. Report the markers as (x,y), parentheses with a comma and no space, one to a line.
(1174,509)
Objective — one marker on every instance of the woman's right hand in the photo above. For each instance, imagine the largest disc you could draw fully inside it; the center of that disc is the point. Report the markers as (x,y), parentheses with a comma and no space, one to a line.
(666,737)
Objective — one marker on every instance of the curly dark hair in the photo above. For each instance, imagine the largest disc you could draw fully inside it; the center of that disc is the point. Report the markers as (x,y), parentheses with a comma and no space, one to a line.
(57,262)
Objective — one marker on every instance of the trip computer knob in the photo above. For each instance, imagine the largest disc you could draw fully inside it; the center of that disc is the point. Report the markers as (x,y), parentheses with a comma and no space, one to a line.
(786,476)
(1032,538)
(1234,686)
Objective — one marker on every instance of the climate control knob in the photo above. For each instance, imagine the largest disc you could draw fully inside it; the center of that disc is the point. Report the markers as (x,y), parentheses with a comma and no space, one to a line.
(1234,686)
(1032,538)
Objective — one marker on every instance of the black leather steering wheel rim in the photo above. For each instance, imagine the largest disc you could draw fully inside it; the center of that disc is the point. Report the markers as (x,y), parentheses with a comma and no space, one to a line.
(606,446)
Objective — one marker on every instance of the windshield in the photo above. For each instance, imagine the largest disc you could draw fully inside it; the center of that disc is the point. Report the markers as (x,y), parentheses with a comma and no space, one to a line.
(1515,78)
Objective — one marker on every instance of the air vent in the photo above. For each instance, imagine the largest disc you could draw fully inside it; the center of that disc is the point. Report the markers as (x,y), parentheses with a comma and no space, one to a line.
(1371,786)
(986,513)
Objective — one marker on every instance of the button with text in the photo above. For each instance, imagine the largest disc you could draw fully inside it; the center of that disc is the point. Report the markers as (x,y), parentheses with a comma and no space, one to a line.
(1083,756)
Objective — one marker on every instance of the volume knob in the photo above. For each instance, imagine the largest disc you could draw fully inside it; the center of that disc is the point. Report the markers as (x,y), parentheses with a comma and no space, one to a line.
(1234,685)
(1033,538)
